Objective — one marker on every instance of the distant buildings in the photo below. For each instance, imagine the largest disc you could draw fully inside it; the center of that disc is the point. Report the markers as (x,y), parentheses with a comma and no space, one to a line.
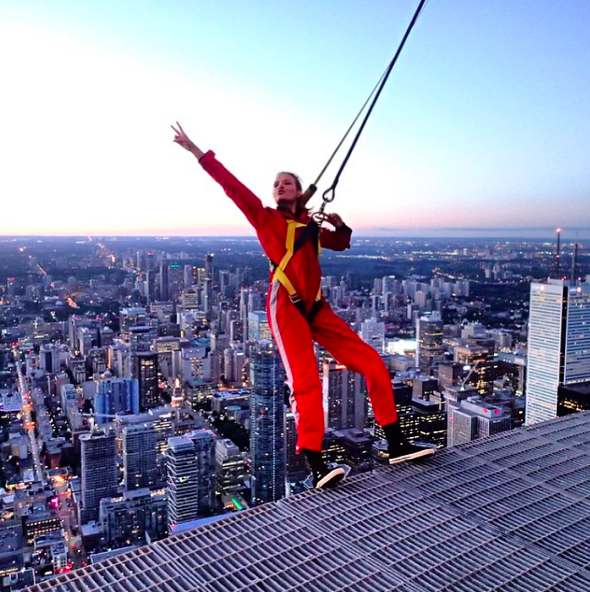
(258,326)
(373,333)
(206,351)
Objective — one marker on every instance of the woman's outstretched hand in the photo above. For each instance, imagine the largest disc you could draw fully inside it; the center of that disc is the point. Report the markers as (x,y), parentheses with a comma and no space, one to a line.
(183,140)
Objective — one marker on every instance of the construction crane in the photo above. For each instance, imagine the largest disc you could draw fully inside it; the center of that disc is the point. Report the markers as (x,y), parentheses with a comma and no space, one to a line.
(471,370)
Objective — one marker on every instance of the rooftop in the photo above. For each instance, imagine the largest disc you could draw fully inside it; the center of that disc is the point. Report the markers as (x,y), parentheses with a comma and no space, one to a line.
(509,513)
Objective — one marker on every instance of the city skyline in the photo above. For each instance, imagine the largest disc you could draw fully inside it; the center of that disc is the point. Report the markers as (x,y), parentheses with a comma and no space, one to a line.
(141,395)
(482,129)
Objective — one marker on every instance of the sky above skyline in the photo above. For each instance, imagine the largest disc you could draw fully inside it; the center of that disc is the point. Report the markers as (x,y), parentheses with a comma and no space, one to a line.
(483,128)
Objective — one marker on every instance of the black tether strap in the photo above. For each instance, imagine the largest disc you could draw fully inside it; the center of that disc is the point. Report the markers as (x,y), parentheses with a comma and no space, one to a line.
(330,193)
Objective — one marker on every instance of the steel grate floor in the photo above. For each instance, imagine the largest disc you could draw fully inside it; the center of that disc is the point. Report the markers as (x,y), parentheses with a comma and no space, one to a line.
(507,514)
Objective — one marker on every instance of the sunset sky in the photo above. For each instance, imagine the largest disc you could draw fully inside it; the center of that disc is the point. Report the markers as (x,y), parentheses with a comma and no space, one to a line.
(483,128)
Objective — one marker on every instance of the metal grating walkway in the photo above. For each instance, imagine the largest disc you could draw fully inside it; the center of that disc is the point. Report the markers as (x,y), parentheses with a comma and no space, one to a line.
(506,514)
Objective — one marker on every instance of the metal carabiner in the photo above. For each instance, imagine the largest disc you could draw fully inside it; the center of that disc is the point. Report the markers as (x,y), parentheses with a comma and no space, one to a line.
(325,196)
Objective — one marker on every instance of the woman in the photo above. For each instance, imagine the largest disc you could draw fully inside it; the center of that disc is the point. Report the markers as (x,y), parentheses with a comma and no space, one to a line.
(299,315)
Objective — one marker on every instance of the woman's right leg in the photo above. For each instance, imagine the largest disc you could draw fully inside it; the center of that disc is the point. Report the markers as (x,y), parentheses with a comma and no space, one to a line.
(294,342)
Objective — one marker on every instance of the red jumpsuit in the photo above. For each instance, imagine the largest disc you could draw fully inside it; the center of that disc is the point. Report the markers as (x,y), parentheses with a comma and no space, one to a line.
(293,334)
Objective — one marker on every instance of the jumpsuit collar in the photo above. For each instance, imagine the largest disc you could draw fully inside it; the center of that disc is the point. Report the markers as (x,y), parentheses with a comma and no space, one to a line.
(302,214)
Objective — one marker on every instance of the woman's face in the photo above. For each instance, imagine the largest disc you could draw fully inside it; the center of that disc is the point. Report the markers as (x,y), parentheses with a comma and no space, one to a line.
(285,190)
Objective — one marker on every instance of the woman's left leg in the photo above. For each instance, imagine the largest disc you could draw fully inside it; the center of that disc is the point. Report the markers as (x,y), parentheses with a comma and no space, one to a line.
(331,332)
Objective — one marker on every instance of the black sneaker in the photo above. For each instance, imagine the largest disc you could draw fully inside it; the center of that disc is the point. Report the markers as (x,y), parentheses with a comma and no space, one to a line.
(406,451)
(400,450)
(324,477)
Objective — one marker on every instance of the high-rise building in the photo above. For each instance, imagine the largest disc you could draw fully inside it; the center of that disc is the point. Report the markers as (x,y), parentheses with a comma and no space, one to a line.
(408,419)
(429,341)
(140,468)
(175,280)
(165,425)
(258,327)
(131,317)
(163,285)
(99,472)
(49,357)
(558,344)
(230,468)
(373,333)
(116,395)
(191,275)
(573,398)
(209,268)
(145,370)
(190,298)
(512,367)
(191,477)
(473,418)
(135,517)
(267,423)
(425,388)
(432,421)
(479,357)
(166,347)
(140,339)
(345,397)
(295,463)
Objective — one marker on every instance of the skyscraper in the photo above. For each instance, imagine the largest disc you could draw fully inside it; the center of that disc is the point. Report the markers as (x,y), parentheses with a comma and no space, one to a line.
(258,327)
(163,424)
(116,395)
(267,423)
(558,344)
(479,357)
(230,468)
(373,333)
(429,341)
(209,269)
(140,467)
(345,397)
(145,369)
(191,476)
(99,472)
(295,463)
(163,281)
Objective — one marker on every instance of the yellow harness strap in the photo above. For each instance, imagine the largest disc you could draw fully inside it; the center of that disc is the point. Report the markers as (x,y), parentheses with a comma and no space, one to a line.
(279,273)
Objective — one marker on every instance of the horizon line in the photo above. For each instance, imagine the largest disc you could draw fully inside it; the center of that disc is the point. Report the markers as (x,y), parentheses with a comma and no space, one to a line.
(14,237)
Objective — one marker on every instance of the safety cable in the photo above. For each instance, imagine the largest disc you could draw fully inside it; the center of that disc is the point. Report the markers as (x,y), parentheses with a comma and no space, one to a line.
(330,193)
(313,187)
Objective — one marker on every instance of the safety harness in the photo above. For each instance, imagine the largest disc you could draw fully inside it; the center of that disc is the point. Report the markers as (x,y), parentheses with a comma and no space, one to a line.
(311,232)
